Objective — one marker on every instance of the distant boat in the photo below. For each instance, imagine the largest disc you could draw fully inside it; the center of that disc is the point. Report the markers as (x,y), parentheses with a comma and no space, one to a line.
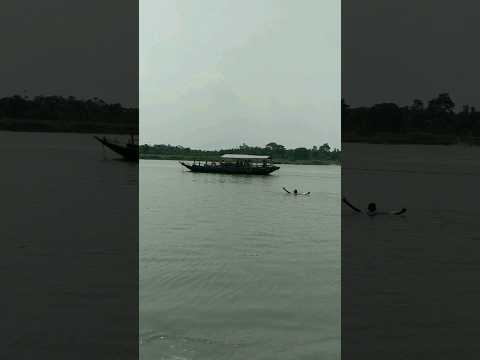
(128,151)
(235,164)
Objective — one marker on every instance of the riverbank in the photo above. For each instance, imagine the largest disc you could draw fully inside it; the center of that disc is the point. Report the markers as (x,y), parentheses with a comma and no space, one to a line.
(52,126)
(212,158)
(417,138)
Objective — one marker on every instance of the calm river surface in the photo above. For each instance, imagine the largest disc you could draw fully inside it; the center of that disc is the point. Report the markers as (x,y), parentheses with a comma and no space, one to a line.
(69,232)
(232,267)
(405,276)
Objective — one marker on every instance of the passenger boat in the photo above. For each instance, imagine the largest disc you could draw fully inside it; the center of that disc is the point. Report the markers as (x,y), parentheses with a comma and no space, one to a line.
(128,151)
(235,164)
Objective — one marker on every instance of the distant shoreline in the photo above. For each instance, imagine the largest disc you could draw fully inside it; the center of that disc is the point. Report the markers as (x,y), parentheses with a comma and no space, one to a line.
(59,126)
(212,158)
(66,114)
(316,155)
(410,139)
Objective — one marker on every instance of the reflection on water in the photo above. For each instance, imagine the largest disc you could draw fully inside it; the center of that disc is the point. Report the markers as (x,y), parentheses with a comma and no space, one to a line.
(232,267)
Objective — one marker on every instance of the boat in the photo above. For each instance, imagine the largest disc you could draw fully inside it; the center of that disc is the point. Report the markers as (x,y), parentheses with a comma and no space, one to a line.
(128,151)
(235,164)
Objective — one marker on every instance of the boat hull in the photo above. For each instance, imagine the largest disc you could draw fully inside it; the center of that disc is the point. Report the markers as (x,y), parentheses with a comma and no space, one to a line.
(219,169)
(129,153)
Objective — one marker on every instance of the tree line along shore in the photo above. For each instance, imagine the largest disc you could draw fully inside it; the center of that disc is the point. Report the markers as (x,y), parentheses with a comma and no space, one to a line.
(316,155)
(66,114)
(439,121)
(435,122)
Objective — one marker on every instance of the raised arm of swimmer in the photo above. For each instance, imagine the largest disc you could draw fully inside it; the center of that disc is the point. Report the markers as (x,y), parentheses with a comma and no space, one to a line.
(286,190)
(345,201)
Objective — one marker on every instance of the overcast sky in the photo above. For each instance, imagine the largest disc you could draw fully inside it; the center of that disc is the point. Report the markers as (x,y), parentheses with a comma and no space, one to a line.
(85,48)
(401,50)
(220,73)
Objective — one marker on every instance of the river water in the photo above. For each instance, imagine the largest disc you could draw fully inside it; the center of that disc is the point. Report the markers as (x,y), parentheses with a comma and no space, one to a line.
(232,267)
(69,232)
(410,283)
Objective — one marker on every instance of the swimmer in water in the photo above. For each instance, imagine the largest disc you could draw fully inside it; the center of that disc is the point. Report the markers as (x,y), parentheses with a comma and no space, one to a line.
(295,192)
(372,209)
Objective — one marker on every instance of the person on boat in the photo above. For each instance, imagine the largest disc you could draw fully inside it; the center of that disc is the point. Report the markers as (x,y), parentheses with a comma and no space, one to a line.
(372,209)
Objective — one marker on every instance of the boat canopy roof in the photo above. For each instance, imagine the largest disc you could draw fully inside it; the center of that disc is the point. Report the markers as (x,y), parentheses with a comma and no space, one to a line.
(245,157)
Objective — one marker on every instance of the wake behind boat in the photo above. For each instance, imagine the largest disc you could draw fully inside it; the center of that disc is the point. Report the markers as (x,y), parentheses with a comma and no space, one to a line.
(235,164)
(128,151)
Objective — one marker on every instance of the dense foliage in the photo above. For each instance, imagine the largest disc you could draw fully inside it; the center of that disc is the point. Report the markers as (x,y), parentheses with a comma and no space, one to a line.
(276,151)
(438,116)
(57,112)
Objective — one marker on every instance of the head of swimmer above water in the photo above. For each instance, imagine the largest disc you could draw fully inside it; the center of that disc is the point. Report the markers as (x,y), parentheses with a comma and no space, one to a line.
(295,191)
(372,207)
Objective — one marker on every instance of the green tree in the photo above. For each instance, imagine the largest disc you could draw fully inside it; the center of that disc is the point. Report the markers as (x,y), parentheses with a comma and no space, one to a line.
(442,104)
(301,153)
